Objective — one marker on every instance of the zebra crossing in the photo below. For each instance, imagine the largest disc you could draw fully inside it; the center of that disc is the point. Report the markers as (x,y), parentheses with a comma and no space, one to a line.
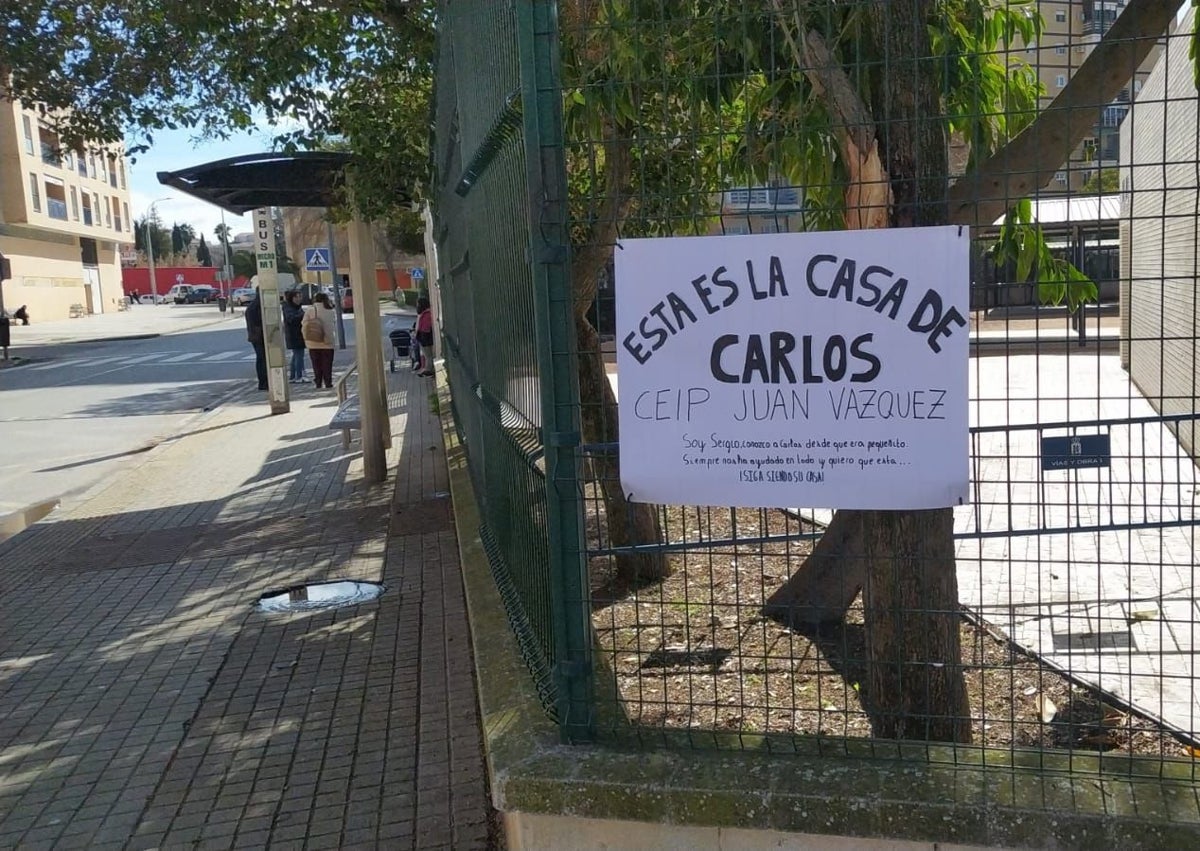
(149,359)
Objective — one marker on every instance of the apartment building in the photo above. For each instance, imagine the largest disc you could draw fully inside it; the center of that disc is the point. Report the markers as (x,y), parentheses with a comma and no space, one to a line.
(1072,30)
(1160,239)
(64,217)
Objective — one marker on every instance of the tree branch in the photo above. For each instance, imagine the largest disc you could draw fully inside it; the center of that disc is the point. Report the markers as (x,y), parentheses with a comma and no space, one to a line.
(1029,161)
(868,193)
(590,258)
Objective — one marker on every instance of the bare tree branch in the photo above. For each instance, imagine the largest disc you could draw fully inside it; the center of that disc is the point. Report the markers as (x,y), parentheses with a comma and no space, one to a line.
(868,192)
(1029,161)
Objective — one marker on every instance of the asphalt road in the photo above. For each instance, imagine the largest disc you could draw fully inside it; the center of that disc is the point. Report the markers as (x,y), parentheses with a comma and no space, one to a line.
(77,412)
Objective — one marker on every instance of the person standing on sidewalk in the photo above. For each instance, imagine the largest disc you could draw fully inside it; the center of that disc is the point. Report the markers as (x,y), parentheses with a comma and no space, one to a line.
(320,336)
(254,333)
(425,335)
(293,317)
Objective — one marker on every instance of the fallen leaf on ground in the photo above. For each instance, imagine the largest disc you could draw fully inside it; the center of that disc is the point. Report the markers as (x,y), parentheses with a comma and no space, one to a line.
(1046,709)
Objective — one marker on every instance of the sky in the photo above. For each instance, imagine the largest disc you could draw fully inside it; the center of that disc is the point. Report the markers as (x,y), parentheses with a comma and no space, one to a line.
(177,149)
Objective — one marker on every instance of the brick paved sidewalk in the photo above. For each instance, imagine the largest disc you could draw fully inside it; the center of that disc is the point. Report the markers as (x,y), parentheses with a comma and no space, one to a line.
(143,703)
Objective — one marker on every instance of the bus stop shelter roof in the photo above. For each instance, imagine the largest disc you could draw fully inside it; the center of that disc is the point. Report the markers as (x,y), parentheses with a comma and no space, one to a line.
(245,183)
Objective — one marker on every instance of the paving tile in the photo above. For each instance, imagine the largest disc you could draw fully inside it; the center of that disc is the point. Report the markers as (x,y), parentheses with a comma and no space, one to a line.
(174,714)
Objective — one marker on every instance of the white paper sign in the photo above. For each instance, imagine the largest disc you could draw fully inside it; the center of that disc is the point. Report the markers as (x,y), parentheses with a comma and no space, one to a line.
(826,370)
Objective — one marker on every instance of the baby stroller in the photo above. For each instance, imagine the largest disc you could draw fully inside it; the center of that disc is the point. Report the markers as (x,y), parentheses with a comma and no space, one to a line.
(402,347)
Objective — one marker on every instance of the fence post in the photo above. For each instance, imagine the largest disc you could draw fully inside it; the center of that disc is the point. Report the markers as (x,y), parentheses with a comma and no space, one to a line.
(550,255)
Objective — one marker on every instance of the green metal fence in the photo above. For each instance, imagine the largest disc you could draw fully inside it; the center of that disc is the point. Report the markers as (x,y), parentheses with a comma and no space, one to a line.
(503,252)
(1046,616)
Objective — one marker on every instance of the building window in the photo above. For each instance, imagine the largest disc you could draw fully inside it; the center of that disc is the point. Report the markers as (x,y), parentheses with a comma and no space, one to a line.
(1060,80)
(34,194)
(81,163)
(1060,49)
(128,221)
(123,177)
(112,171)
(96,207)
(1060,177)
(92,166)
(74,204)
(28,133)
(56,199)
(51,148)
(87,209)
(107,213)
(1060,16)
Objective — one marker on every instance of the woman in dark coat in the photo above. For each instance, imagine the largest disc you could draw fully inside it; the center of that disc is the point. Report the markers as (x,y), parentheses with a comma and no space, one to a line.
(293,315)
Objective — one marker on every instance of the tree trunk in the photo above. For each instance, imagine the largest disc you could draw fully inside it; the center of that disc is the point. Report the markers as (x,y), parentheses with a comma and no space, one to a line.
(915,687)
(822,589)
(914,653)
(629,523)
(905,560)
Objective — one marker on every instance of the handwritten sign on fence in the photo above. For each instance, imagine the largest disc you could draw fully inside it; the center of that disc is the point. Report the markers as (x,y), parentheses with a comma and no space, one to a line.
(827,370)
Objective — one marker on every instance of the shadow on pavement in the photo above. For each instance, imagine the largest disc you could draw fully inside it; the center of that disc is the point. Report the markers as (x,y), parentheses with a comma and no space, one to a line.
(141,696)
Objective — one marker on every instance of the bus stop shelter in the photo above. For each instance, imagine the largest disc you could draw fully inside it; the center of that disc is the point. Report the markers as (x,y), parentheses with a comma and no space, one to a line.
(257,182)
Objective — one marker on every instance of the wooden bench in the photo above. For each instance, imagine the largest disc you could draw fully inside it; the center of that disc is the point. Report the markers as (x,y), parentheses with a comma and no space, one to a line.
(77,310)
(347,418)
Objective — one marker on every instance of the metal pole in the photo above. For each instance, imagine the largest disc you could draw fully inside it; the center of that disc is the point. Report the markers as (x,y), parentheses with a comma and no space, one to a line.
(369,351)
(337,285)
(268,299)
(549,250)
(150,256)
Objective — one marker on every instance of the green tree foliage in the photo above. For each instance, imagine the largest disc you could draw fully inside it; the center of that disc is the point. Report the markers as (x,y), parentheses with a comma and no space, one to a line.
(203,256)
(358,72)
(1104,181)
(244,264)
(178,246)
(160,237)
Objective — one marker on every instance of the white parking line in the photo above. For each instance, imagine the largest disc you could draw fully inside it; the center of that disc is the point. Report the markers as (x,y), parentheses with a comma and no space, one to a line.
(181,358)
(224,356)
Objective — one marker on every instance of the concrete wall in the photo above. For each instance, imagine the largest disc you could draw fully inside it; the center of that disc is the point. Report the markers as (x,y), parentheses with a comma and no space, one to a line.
(1160,204)
(534,832)
(48,277)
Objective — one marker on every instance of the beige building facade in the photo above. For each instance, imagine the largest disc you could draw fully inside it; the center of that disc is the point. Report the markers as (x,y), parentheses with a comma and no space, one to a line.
(1072,30)
(64,217)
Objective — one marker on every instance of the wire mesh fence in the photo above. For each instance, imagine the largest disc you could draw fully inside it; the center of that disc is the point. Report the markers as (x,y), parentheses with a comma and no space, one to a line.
(1056,611)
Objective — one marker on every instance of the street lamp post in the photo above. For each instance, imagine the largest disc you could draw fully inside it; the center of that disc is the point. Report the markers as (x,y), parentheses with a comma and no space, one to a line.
(150,248)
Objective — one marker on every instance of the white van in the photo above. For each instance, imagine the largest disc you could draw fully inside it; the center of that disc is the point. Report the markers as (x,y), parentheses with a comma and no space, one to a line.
(178,293)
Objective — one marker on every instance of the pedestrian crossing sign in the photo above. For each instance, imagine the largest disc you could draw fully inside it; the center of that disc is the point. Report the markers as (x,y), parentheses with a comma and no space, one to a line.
(316,259)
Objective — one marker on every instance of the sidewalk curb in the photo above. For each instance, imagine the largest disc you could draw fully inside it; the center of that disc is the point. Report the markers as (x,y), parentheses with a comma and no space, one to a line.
(119,338)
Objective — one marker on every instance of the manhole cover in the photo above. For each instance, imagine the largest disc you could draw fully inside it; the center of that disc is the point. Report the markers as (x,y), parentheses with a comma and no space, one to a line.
(319,595)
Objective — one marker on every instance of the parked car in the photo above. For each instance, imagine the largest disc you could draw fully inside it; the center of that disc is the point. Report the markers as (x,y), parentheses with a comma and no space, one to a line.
(201,295)
(347,301)
(242,296)
(178,293)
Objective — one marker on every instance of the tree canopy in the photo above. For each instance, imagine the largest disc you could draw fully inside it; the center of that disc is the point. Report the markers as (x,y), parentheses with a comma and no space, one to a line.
(357,71)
